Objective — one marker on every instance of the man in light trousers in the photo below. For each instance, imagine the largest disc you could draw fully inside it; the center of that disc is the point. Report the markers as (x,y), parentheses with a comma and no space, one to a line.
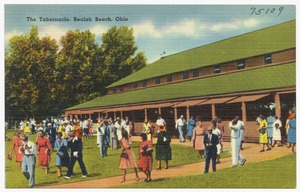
(103,144)
(29,159)
(180,124)
(235,126)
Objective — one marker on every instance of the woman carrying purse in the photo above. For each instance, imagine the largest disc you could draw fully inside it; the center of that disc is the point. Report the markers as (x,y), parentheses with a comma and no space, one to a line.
(127,161)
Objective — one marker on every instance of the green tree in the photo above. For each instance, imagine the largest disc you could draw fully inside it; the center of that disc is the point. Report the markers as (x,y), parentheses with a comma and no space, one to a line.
(41,81)
(76,64)
(118,52)
(29,72)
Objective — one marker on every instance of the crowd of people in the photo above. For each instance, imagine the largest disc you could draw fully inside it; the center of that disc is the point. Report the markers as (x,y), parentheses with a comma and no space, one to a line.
(66,137)
(52,134)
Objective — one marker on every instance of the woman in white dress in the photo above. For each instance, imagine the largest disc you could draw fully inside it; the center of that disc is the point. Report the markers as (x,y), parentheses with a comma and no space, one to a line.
(277,132)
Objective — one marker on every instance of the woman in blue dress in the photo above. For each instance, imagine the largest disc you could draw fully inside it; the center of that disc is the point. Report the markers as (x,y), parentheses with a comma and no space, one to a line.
(190,127)
(291,138)
(62,155)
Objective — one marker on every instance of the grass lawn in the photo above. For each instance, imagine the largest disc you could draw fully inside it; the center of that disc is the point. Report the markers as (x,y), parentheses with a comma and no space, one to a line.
(276,173)
(97,167)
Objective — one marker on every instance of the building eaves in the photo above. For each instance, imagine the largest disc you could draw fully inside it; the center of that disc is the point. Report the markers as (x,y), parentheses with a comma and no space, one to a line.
(269,77)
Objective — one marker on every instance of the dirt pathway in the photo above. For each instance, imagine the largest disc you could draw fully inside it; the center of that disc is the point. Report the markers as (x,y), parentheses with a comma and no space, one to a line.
(250,152)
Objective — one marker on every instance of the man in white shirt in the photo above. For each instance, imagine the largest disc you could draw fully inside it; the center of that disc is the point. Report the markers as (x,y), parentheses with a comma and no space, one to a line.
(68,128)
(236,125)
(103,145)
(160,123)
(29,159)
(180,124)
(85,127)
(217,132)
(118,126)
(22,124)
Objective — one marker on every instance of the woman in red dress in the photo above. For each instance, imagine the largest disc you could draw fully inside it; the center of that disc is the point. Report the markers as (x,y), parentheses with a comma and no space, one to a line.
(145,156)
(127,161)
(44,150)
(16,143)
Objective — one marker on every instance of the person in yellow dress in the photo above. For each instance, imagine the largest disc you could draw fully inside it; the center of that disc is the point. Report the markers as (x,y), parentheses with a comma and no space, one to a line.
(62,129)
(263,133)
(26,128)
(148,129)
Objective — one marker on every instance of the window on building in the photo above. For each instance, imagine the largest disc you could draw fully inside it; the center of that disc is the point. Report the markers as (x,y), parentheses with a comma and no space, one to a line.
(268,58)
(144,83)
(185,75)
(217,69)
(157,80)
(114,90)
(196,72)
(121,87)
(135,85)
(169,78)
(240,64)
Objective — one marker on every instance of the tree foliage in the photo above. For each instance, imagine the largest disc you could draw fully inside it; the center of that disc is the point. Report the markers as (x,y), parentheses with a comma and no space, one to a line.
(118,50)
(41,79)
(77,61)
(28,73)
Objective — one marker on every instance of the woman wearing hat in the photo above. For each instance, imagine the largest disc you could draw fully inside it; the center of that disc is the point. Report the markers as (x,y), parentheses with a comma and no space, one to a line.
(62,156)
(163,148)
(263,133)
(44,150)
(16,143)
(127,159)
(145,157)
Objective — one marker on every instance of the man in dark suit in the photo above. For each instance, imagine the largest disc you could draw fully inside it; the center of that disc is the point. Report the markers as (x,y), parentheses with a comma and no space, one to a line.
(75,144)
(210,142)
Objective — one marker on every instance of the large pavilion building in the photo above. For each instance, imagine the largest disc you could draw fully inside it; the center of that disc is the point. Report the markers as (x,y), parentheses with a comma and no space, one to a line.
(246,75)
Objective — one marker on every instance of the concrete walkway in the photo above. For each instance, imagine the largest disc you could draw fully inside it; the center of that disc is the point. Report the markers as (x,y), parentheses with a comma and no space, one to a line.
(250,152)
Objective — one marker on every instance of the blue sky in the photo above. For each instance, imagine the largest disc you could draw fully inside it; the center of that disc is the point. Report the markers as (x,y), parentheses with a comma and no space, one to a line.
(157,28)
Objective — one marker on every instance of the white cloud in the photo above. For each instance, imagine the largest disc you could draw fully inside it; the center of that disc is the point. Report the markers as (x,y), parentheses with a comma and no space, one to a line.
(185,27)
(55,32)
(189,27)
(98,30)
(251,22)
(233,25)
(146,28)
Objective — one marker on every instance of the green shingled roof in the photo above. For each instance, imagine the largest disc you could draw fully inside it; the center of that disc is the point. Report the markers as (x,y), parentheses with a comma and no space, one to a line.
(270,77)
(267,40)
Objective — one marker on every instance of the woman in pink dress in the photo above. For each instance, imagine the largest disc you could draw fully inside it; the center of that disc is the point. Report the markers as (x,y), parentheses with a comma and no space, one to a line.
(197,139)
(44,150)
(127,161)
(145,156)
(16,143)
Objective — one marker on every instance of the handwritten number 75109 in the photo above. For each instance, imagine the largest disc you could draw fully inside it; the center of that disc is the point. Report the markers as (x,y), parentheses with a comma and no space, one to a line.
(266,11)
